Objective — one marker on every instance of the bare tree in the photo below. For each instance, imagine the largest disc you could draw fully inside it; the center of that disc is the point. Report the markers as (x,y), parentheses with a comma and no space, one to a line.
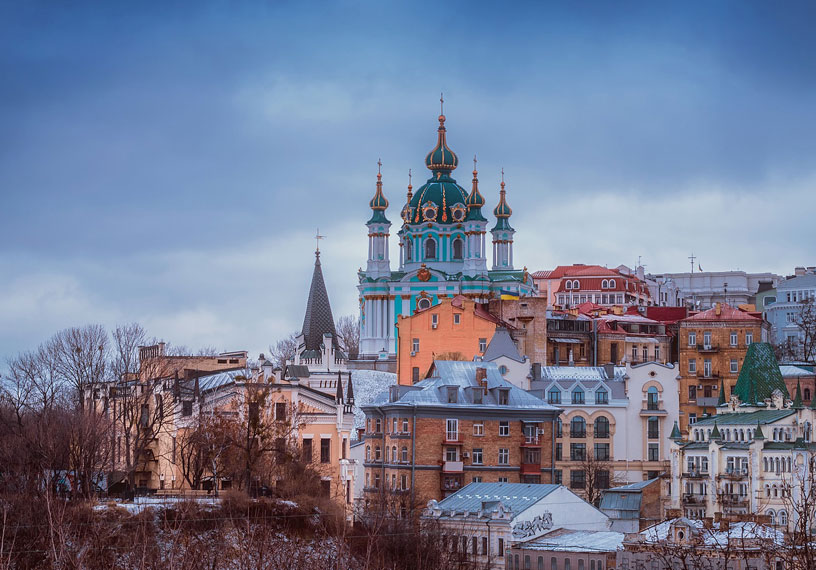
(597,474)
(807,325)
(126,342)
(80,358)
(348,331)
(284,349)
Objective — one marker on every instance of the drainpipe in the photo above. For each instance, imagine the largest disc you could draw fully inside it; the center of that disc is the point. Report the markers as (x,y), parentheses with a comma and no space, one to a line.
(595,350)
(552,455)
(413,453)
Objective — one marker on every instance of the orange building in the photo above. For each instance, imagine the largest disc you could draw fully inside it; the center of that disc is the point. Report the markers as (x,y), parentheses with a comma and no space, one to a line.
(712,346)
(455,329)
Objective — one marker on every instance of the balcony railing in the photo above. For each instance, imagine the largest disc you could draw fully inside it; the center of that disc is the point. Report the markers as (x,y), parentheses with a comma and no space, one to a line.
(602,433)
(733,473)
(691,499)
(733,499)
(577,433)
(696,475)
(708,347)
(531,440)
(452,437)
(531,468)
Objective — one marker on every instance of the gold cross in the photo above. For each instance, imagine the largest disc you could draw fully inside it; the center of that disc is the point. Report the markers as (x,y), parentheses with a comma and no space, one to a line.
(318,237)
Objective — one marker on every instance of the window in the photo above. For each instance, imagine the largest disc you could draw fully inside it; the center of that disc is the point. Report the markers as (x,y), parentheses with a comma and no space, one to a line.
(577,479)
(707,339)
(604,284)
(404,425)
(415,374)
(734,366)
(482,344)
(733,338)
(478,396)
(378,425)
(577,427)
(503,370)
(652,399)
(307,451)
(577,451)
(423,303)
(453,394)
(657,352)
(456,318)
(692,393)
(553,563)
(415,345)
(502,479)
(601,396)
(692,366)
(403,482)
(501,547)
(601,451)
(377,453)
(559,428)
(280,411)
(477,456)
(634,354)
(558,477)
(457,248)
(707,372)
(451,454)
(187,408)
(692,418)
(504,456)
(559,452)
(430,248)
(434,320)
(404,454)
(692,339)
(653,428)
(602,427)
(368,452)
(325,450)
(645,353)
(749,338)
(409,246)
(452,430)
(653,451)
(478,429)
(477,479)
(554,396)
(577,396)
(504,428)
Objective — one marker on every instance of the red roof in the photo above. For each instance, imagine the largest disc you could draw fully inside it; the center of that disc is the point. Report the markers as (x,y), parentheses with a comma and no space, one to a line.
(667,314)
(579,270)
(727,313)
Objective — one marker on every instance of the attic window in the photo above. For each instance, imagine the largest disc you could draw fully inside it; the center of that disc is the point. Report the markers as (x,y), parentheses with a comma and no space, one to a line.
(452,395)
(478,395)
(504,397)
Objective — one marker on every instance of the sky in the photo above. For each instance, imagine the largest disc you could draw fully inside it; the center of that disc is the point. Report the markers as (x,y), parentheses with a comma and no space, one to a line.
(169,163)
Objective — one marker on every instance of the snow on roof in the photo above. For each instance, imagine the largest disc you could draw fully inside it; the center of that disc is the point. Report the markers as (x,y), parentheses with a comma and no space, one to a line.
(579,373)
(515,497)
(567,540)
(369,385)
(714,536)
(501,345)
(789,371)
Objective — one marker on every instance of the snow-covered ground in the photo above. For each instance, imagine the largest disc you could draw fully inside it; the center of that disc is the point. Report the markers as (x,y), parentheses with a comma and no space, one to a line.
(139,504)
(368,384)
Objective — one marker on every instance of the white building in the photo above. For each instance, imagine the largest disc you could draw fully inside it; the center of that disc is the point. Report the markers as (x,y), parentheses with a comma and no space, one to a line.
(620,414)
(701,290)
(485,519)
(785,313)
(514,367)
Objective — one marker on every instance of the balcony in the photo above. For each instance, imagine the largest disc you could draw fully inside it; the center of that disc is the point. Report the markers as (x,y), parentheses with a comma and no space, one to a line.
(709,375)
(531,468)
(734,500)
(734,474)
(695,475)
(452,438)
(691,499)
(531,441)
(601,433)
(451,482)
(708,348)
(453,467)
(708,401)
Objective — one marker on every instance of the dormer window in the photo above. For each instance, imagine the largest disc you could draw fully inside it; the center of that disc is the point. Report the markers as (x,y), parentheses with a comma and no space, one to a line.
(478,395)
(452,395)
(604,284)
(504,397)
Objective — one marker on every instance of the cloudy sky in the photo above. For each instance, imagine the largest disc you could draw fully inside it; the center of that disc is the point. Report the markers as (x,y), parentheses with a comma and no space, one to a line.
(169,163)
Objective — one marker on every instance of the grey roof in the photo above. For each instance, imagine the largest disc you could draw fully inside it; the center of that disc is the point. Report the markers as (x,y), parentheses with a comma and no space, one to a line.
(515,497)
(748,418)
(626,498)
(635,487)
(462,375)
(789,371)
(219,379)
(574,373)
(297,371)
(318,319)
(803,281)
(502,345)
(568,540)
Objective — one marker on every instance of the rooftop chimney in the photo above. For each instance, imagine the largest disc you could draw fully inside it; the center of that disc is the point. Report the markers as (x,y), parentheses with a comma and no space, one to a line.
(718,309)
(799,271)
(481,374)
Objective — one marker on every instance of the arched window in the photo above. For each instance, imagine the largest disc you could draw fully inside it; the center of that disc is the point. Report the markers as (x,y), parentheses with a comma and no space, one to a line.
(652,401)
(783,518)
(458,246)
(409,249)
(430,248)
(567,284)
(775,491)
(611,283)
(577,395)
(404,454)
(771,515)
(423,303)
(377,453)
(789,464)
(765,464)
(602,427)
(578,427)
(503,370)
(394,457)
(576,284)
(386,454)
(368,453)
(807,393)
(604,284)
(559,427)
(767,491)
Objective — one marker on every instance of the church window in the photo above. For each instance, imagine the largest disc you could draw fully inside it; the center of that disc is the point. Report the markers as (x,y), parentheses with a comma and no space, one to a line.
(409,249)
(457,248)
(430,248)
(423,303)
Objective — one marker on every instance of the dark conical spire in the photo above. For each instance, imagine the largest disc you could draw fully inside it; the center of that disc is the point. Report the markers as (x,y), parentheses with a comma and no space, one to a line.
(338,397)
(721,400)
(318,320)
(675,432)
(715,433)
(350,391)
(759,376)
(758,432)
(797,401)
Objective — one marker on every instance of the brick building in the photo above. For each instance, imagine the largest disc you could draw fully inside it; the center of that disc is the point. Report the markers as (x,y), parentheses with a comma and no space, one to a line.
(462,424)
(632,338)
(570,339)
(712,346)
(528,320)
(568,286)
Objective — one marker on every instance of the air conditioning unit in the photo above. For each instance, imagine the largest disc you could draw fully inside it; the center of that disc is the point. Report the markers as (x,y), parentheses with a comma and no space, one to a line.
(434,325)
(465,454)
(414,354)
(540,431)
(699,386)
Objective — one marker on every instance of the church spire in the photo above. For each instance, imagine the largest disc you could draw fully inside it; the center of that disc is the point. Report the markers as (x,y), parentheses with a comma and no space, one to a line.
(441,158)
(502,210)
(475,200)
(318,319)
(378,203)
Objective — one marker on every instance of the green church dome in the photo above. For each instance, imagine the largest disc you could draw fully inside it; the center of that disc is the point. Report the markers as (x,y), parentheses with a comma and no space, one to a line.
(378,203)
(502,210)
(441,157)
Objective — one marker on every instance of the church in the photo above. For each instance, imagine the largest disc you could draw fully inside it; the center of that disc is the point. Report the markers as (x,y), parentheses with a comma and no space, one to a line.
(442,252)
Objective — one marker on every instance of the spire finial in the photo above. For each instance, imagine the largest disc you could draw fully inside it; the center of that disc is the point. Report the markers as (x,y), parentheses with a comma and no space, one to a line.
(379,166)
(442,104)
(474,164)
(318,237)
(409,180)
(502,178)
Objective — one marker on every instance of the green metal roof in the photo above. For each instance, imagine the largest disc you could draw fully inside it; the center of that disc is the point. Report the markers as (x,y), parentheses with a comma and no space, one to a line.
(760,375)
(748,418)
